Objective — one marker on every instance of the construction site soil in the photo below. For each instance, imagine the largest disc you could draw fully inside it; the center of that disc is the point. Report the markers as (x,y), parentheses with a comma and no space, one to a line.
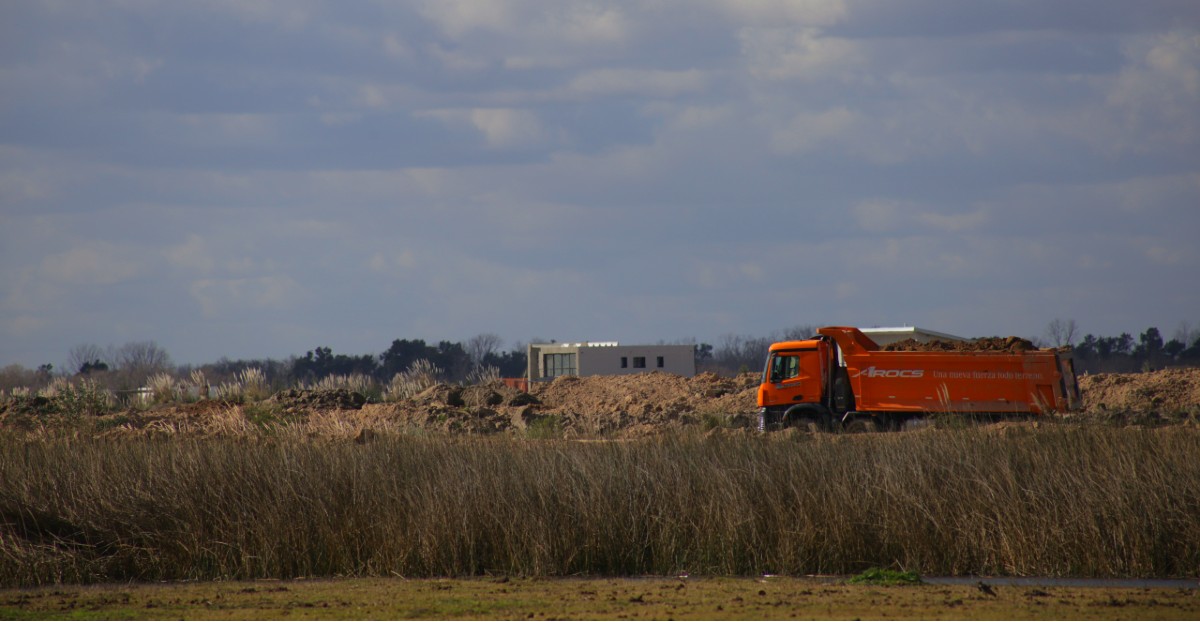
(588,407)
(596,406)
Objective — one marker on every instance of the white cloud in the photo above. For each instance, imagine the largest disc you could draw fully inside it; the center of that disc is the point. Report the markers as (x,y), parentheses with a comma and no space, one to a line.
(459,60)
(721,275)
(96,263)
(1158,90)
(396,48)
(23,325)
(220,296)
(506,127)
(457,18)
(644,82)
(796,54)
(567,23)
(372,96)
(393,263)
(880,215)
(502,128)
(808,130)
(288,15)
(955,222)
(773,12)
(192,255)
(230,128)
(1164,254)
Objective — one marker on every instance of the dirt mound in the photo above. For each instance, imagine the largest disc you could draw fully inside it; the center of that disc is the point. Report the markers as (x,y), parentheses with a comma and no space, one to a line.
(570,406)
(306,399)
(587,407)
(1167,392)
(986,344)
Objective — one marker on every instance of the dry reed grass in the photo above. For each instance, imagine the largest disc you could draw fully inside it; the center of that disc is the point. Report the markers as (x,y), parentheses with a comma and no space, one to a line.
(420,375)
(1059,500)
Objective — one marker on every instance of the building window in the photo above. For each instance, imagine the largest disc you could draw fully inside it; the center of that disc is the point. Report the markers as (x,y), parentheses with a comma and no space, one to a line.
(660,361)
(559,365)
(624,362)
(639,362)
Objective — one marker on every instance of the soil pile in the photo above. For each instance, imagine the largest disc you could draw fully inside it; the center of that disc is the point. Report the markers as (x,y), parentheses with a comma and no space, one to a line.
(306,399)
(630,405)
(1165,392)
(986,344)
(577,407)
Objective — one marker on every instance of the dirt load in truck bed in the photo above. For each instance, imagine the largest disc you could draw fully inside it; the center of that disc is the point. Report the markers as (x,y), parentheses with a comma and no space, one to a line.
(986,344)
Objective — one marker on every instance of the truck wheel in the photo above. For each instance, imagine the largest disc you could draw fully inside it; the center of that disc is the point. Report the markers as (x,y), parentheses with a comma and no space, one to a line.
(860,425)
(806,424)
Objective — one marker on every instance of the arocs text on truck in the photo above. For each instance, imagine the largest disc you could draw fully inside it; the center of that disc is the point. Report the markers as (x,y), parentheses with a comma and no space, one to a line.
(841,380)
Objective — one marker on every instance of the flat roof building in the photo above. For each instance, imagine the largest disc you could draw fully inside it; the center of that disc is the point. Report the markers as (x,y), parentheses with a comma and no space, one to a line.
(594,358)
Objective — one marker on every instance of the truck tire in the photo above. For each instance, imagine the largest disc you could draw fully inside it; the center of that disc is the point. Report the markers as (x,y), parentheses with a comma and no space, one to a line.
(860,425)
(807,425)
(809,418)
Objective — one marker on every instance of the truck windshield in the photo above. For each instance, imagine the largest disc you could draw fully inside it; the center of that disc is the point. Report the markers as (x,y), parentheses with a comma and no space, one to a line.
(784,366)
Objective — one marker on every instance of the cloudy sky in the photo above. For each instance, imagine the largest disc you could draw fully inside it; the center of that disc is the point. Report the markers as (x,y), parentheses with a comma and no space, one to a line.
(256,179)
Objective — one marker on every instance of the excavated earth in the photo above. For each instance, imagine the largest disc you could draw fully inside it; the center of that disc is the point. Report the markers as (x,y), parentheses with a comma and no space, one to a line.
(631,405)
(986,344)
(581,407)
(646,404)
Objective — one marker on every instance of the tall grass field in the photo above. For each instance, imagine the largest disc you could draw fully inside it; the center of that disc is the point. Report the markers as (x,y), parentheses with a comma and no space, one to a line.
(1059,500)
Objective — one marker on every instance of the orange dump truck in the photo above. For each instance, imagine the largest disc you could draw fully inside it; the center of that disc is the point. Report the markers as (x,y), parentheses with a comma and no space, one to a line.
(842,380)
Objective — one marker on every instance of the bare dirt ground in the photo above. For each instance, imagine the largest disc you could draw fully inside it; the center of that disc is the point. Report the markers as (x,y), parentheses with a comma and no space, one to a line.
(632,405)
(1165,392)
(587,407)
(645,404)
(636,598)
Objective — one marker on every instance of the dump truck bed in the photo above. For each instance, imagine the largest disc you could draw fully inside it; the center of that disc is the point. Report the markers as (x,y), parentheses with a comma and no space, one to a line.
(1035,381)
(957,382)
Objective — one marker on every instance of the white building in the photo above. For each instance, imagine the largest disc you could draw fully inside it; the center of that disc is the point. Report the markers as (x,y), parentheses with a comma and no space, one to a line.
(593,358)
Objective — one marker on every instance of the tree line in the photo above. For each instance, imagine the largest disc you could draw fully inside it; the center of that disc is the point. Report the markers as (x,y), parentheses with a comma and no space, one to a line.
(127,367)
(1122,353)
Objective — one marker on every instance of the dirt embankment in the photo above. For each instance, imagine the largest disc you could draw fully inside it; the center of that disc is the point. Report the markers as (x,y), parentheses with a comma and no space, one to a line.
(626,406)
(1165,392)
(642,404)
(630,405)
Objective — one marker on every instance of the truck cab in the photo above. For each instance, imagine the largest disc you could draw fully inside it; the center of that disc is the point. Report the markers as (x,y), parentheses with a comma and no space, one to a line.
(803,384)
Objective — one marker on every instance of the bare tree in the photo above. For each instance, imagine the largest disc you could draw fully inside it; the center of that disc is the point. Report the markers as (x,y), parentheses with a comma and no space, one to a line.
(481,345)
(1187,335)
(138,360)
(797,332)
(85,357)
(737,353)
(1061,332)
